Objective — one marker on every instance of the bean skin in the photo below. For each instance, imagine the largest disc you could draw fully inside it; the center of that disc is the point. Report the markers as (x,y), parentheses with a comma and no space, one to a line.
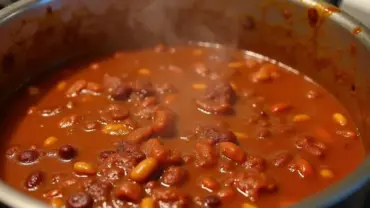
(142,171)
(232,151)
(28,156)
(34,180)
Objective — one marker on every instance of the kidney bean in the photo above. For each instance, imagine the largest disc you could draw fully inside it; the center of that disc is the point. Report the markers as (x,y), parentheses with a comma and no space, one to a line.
(12,151)
(174,175)
(28,156)
(80,200)
(34,180)
(212,201)
(232,151)
(67,152)
(209,183)
(128,191)
(140,134)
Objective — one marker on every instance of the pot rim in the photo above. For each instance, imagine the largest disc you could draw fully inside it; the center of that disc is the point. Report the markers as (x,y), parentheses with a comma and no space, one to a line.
(326,198)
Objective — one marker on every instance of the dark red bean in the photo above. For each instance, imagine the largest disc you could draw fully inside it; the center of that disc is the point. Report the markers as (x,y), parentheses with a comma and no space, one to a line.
(212,201)
(67,152)
(80,200)
(34,180)
(28,156)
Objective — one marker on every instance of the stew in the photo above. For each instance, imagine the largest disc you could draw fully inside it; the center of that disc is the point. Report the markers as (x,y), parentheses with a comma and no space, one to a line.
(177,127)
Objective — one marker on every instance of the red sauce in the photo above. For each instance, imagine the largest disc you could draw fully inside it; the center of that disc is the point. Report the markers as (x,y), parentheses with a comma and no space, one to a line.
(178,127)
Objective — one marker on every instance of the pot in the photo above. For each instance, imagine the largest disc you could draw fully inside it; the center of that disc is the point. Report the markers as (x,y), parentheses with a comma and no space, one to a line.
(317,39)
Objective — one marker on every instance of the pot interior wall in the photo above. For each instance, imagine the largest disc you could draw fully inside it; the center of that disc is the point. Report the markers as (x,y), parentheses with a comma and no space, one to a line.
(49,33)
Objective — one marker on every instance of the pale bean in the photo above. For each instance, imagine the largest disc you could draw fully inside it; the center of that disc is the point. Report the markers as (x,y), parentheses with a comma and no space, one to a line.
(143,170)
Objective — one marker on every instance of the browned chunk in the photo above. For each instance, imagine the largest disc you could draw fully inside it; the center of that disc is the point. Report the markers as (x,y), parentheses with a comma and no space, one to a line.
(140,134)
(217,135)
(174,175)
(251,184)
(129,191)
(164,122)
(121,161)
(116,88)
(170,197)
(76,88)
(154,148)
(110,175)
(310,145)
(206,156)
(217,100)
(98,190)
(132,150)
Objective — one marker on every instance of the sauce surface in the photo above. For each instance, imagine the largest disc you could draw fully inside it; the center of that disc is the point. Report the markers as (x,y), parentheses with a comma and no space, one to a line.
(177,127)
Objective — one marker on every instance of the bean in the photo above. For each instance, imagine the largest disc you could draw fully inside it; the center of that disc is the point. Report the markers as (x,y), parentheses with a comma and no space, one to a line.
(235,65)
(232,151)
(80,200)
(241,136)
(212,201)
(28,156)
(115,129)
(280,107)
(50,141)
(128,191)
(84,168)
(301,118)
(143,170)
(326,173)
(209,183)
(67,152)
(147,202)
(249,205)
(61,85)
(144,72)
(304,168)
(56,203)
(199,86)
(34,180)
(340,119)
(53,193)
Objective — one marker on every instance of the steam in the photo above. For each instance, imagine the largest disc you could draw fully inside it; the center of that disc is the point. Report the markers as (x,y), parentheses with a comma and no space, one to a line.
(178,21)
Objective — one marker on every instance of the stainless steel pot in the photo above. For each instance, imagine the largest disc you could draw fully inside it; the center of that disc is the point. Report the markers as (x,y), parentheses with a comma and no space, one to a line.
(319,40)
